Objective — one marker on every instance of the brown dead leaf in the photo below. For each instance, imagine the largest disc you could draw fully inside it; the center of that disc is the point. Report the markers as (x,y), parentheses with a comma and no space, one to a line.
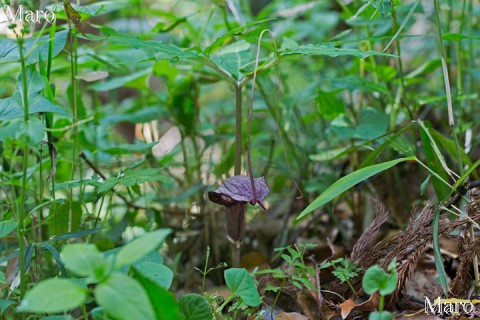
(290,316)
(349,305)
(309,305)
(73,16)
(346,307)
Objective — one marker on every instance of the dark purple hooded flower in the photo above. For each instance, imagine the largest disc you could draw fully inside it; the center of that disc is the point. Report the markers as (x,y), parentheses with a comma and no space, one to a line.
(239,189)
(233,194)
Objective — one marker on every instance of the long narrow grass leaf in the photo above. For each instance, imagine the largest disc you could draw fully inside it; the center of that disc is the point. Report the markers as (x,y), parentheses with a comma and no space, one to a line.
(345,183)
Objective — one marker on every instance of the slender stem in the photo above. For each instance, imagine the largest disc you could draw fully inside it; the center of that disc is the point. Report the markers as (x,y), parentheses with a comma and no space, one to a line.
(238,130)
(21,211)
(235,256)
(381,302)
(73,71)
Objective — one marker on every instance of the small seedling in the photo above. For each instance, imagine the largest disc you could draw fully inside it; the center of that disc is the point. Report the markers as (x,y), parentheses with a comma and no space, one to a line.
(343,270)
(376,279)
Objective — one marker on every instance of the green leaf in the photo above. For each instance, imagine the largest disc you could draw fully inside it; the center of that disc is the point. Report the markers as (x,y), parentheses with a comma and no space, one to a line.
(85,260)
(164,303)
(383,315)
(122,81)
(160,51)
(345,183)
(93,9)
(75,234)
(323,50)
(376,279)
(11,109)
(33,48)
(64,218)
(56,255)
(195,307)
(442,275)
(124,149)
(329,106)
(242,285)
(372,124)
(5,304)
(457,36)
(223,40)
(129,178)
(53,296)
(233,58)
(434,160)
(140,247)
(356,83)
(156,272)
(6,227)
(124,298)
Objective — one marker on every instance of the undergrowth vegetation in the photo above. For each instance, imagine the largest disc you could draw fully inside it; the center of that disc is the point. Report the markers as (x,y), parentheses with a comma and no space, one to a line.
(137,138)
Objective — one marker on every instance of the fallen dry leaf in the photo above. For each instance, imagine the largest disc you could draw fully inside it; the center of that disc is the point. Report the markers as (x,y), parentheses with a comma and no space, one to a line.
(346,307)
(290,316)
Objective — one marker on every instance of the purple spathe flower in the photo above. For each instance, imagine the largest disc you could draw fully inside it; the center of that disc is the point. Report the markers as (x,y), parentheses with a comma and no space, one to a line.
(239,189)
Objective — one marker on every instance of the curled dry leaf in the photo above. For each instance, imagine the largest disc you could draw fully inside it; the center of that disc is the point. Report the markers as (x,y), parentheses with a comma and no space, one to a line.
(346,307)
(368,306)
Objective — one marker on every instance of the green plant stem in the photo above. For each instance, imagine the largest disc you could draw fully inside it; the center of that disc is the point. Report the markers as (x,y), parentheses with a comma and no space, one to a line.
(21,211)
(73,72)
(84,312)
(235,256)
(381,303)
(238,130)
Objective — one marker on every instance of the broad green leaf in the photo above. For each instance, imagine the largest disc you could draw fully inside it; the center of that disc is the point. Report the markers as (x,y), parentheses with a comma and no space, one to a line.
(164,303)
(6,227)
(161,51)
(223,40)
(122,81)
(67,214)
(156,272)
(140,116)
(93,9)
(33,48)
(372,124)
(140,247)
(329,106)
(381,315)
(53,296)
(65,317)
(124,149)
(85,260)
(376,279)
(323,50)
(124,298)
(356,83)
(11,109)
(233,58)
(195,307)
(242,285)
(345,183)
(5,304)
(129,178)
